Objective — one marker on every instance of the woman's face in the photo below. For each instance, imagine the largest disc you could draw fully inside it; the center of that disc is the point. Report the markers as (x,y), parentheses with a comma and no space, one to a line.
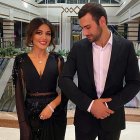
(42,37)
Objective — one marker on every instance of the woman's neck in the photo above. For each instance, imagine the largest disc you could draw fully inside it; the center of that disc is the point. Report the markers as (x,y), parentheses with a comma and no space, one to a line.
(39,53)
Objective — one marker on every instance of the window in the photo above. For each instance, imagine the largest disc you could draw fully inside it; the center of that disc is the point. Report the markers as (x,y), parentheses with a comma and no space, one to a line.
(97,1)
(57,33)
(60,1)
(46,1)
(72,1)
(82,1)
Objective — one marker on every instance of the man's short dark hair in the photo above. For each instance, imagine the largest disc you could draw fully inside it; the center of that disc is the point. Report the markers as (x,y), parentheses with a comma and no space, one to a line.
(96,10)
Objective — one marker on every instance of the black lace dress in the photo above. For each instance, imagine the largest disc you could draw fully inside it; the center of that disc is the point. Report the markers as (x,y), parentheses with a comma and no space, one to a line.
(27,81)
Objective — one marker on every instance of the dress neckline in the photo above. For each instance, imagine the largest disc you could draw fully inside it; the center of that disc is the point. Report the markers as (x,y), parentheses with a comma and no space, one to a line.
(31,62)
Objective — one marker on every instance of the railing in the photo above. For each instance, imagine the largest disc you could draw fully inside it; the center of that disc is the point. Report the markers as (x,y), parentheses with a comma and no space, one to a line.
(137,47)
(16,42)
(3,64)
(4,42)
(7,101)
(136,43)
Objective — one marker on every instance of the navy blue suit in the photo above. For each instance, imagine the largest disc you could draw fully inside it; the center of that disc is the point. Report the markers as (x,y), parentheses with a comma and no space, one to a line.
(122,83)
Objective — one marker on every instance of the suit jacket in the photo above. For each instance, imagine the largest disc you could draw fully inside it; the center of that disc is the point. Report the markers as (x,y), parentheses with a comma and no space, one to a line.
(122,83)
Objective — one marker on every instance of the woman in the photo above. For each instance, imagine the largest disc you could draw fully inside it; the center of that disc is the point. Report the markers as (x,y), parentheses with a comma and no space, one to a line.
(41,109)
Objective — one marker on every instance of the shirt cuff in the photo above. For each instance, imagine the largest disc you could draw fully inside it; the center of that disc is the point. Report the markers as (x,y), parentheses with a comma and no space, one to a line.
(89,108)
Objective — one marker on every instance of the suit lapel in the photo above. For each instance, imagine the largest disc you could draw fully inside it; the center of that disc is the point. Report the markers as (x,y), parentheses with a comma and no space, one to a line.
(114,54)
(89,59)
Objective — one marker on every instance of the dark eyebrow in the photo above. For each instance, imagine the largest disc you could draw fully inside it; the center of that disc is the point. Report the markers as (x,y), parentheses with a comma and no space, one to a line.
(85,26)
(38,30)
(41,31)
(49,31)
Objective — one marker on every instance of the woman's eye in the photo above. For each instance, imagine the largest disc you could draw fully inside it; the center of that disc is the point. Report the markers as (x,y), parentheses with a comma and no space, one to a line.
(38,32)
(48,34)
(41,33)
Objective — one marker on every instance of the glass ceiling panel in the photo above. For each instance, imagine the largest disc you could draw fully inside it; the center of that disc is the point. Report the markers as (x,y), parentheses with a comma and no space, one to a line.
(77,1)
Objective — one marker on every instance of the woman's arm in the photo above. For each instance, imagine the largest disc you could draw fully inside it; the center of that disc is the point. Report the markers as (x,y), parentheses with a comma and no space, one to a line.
(25,132)
(19,96)
(55,102)
(49,109)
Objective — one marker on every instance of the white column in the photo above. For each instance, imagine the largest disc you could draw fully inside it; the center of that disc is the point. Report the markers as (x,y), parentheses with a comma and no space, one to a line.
(8,31)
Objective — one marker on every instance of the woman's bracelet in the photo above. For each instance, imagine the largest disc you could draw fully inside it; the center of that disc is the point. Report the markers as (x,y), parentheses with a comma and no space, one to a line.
(50,107)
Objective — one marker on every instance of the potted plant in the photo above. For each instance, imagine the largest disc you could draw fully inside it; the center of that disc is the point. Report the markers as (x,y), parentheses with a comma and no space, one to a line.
(64,53)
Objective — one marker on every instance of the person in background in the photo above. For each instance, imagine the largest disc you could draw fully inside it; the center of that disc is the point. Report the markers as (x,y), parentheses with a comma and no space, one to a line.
(103,61)
(41,109)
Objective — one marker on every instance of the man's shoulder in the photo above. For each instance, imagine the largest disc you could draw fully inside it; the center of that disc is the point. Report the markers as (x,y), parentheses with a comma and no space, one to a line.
(82,41)
(82,44)
(121,39)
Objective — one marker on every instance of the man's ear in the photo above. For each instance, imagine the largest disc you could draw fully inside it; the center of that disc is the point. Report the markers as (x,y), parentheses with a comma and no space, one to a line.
(102,21)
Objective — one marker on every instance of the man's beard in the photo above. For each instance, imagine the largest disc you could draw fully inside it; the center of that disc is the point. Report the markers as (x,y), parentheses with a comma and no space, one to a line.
(97,37)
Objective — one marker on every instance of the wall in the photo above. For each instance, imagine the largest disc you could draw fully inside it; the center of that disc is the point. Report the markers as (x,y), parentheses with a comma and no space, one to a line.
(128,11)
(25,10)
(18,10)
(62,13)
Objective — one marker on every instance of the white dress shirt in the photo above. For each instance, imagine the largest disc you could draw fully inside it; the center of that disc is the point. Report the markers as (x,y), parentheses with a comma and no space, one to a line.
(101,61)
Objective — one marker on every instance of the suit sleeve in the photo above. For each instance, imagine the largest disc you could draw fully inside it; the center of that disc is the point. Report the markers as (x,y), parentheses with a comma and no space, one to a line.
(132,82)
(67,85)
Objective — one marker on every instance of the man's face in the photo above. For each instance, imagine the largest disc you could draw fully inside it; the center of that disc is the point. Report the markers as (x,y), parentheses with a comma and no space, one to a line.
(90,28)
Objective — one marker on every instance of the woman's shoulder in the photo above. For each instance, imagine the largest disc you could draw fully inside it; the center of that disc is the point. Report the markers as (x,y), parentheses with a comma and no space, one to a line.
(20,57)
(59,59)
(56,55)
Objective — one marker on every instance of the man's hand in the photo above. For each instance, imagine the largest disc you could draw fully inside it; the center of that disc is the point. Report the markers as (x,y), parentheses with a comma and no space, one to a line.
(99,109)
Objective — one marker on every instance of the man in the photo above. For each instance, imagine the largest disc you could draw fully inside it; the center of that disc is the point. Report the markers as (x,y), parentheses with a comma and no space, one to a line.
(103,62)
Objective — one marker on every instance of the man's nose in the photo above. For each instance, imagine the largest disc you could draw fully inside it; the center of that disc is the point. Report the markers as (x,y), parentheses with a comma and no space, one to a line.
(85,32)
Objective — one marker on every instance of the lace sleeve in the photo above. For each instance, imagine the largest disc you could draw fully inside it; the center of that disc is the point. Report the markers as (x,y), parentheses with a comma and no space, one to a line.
(64,99)
(19,95)
(15,71)
(60,63)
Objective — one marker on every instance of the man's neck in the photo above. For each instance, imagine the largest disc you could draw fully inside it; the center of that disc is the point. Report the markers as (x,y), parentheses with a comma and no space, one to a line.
(104,38)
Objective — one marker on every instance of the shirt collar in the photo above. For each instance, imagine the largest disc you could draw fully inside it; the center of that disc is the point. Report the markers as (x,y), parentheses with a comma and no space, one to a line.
(109,41)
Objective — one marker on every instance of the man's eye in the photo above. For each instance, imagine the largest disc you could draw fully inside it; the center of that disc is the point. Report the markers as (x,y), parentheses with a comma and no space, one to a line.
(88,27)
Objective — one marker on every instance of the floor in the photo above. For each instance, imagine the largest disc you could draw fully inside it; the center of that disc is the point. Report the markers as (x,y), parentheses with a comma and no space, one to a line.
(131,133)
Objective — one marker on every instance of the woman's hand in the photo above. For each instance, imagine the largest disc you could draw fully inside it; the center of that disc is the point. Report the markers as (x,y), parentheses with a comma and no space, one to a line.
(46,112)
(49,109)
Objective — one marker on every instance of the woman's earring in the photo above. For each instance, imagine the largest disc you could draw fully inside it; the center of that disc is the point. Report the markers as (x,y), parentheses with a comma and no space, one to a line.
(31,44)
(47,49)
